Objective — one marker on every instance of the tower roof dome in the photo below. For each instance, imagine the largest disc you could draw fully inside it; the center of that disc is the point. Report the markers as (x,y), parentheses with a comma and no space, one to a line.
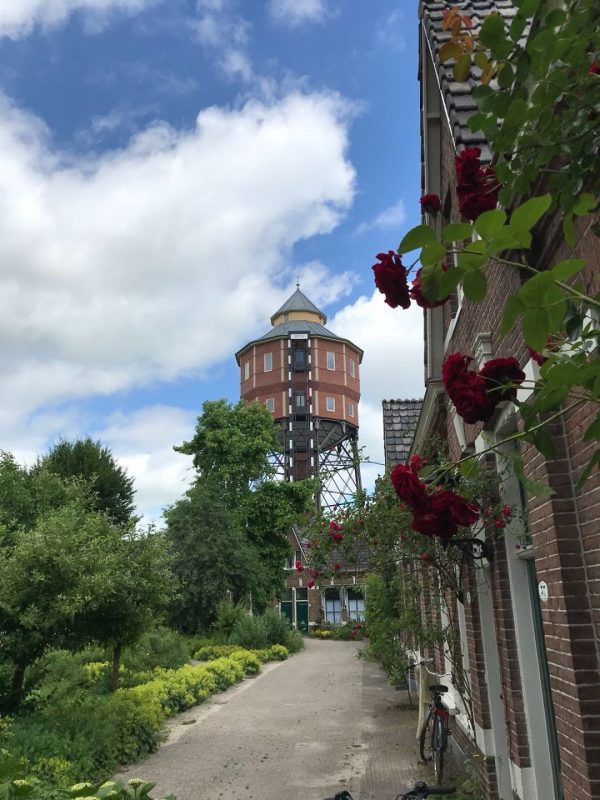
(298,302)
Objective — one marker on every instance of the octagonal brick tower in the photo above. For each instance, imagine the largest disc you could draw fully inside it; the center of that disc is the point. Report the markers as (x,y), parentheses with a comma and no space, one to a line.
(309,379)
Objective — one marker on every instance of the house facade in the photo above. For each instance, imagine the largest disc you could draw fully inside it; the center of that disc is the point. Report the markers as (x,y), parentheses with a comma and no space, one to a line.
(529,620)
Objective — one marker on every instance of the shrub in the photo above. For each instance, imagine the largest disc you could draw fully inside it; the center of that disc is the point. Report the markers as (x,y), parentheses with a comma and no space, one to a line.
(277,627)
(226,672)
(249,661)
(249,632)
(295,641)
(212,651)
(161,647)
(228,615)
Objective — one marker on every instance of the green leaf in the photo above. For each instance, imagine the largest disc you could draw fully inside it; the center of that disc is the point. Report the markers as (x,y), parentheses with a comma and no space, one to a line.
(416,237)
(565,269)
(526,215)
(585,204)
(449,281)
(593,431)
(461,69)
(536,327)
(432,254)
(527,8)
(513,309)
(555,305)
(456,232)
(516,113)
(490,222)
(507,238)
(533,292)
(475,286)
(477,121)
(593,462)
(535,488)
(492,30)
(569,230)
(473,256)
(552,399)
(542,441)
(506,76)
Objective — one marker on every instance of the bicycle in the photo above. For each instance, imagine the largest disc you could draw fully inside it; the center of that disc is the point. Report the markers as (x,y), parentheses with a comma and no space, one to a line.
(433,738)
(420,791)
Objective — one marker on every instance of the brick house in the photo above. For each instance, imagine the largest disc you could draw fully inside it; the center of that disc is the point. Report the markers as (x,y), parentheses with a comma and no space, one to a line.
(530,621)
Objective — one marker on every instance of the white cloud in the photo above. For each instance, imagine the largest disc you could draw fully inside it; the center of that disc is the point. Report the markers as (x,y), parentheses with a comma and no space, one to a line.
(392,366)
(293,13)
(388,219)
(19,17)
(142,442)
(160,259)
(225,34)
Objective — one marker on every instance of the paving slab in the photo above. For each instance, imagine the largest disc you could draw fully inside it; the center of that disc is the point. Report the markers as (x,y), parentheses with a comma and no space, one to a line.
(322,721)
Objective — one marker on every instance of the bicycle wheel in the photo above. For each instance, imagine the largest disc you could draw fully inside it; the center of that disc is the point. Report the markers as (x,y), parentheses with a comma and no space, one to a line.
(426,737)
(438,745)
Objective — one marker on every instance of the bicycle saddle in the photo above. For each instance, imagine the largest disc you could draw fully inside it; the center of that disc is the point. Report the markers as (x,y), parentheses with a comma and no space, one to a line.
(439,688)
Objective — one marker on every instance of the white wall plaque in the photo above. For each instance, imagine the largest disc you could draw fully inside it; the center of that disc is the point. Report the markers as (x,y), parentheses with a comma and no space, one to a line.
(543,590)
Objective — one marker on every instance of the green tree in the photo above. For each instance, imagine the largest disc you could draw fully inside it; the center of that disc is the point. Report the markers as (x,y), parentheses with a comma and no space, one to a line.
(111,486)
(232,444)
(209,554)
(138,586)
(268,512)
(50,576)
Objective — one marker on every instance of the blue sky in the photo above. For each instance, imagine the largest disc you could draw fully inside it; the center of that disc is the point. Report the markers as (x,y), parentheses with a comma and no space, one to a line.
(167,169)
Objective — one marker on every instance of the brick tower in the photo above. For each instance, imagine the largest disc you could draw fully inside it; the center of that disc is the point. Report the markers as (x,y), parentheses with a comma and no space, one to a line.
(309,379)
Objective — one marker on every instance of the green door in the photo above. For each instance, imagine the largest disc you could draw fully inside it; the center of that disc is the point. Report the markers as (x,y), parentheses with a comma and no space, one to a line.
(286,605)
(302,609)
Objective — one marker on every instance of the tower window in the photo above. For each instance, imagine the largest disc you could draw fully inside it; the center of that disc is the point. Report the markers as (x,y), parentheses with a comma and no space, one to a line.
(270,404)
(350,409)
(246,370)
(300,401)
(352,368)
(299,354)
(268,362)
(330,360)
(330,403)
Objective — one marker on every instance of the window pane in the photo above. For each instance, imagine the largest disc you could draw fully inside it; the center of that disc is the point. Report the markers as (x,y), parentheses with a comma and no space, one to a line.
(301,593)
(300,400)
(330,404)
(351,409)
(268,362)
(330,360)
(299,357)
(352,369)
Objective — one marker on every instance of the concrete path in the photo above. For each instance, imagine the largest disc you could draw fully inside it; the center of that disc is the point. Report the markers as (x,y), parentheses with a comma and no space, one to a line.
(305,728)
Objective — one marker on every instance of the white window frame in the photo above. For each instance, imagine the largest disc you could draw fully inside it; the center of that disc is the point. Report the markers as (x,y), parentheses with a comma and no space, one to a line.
(268,359)
(270,404)
(332,360)
(246,370)
(350,408)
(352,368)
(327,399)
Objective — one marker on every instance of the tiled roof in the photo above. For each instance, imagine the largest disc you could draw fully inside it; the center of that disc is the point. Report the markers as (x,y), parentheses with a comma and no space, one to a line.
(400,419)
(298,326)
(298,302)
(457,95)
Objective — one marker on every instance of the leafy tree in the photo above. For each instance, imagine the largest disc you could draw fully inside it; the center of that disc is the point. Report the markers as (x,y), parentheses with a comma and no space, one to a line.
(209,554)
(111,487)
(50,577)
(268,513)
(136,593)
(232,444)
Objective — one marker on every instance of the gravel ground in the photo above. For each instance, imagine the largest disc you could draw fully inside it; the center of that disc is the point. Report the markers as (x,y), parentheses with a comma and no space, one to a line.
(302,730)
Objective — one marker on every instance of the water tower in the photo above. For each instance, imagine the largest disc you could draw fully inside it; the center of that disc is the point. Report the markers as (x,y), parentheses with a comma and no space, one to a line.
(309,378)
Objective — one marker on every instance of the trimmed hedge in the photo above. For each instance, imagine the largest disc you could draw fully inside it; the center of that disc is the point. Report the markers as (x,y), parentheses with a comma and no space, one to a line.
(123,727)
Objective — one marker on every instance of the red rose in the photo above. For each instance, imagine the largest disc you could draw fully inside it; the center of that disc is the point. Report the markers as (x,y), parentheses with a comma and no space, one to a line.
(337,537)
(425,557)
(310,584)
(431,203)
(537,357)
(500,375)
(507,511)
(337,567)
(416,462)
(466,389)
(416,293)
(476,186)
(463,512)
(408,487)
(499,523)
(594,69)
(390,279)
(299,566)
(430,523)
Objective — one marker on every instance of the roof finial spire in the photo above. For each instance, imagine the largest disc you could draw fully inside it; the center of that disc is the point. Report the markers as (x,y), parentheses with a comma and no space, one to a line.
(297,281)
